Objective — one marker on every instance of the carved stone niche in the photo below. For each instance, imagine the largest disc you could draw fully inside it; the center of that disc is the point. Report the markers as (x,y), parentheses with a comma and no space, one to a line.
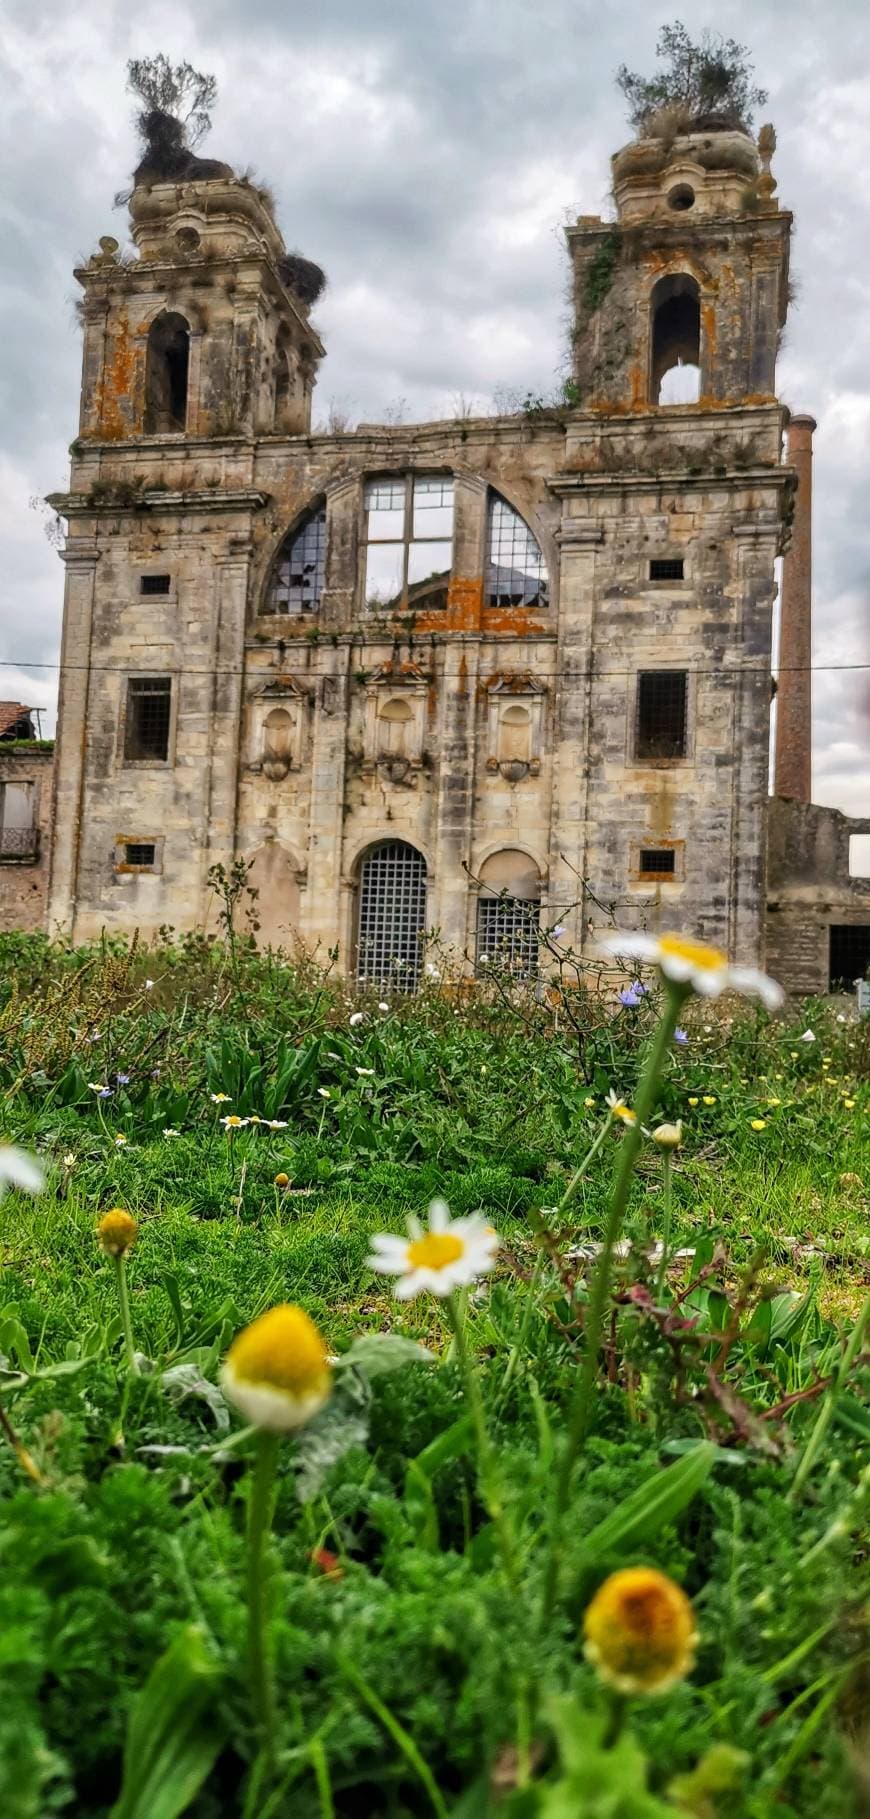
(395,722)
(514,725)
(276,739)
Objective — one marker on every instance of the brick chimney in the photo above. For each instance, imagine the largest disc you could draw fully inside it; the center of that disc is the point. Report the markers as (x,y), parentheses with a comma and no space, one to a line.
(793,756)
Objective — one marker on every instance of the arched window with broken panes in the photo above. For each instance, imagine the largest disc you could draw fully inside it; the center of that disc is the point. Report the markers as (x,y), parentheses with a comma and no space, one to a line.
(516,573)
(297,578)
(391,916)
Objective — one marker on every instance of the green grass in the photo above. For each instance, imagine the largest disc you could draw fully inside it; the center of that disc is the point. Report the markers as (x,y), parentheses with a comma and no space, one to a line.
(136,1528)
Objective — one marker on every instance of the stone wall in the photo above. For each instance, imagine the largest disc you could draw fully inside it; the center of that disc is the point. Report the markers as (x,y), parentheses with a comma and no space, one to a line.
(810,890)
(24,859)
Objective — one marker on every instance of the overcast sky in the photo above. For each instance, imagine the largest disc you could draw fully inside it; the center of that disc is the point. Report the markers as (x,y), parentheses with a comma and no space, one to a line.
(426,153)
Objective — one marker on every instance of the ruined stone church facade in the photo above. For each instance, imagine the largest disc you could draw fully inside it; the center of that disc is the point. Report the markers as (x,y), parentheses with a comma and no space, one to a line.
(460,675)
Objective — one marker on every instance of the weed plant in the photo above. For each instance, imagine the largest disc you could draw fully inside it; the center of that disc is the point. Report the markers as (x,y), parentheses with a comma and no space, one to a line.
(418,1666)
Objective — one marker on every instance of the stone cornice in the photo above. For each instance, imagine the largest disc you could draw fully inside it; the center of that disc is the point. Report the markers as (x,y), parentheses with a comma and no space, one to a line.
(205,499)
(736,479)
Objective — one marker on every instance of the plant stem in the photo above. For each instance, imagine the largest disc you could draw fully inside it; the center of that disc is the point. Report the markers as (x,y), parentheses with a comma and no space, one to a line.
(487,1469)
(124,1299)
(629,1149)
(823,1419)
(26,1461)
(668,1183)
(259,1528)
(618,1706)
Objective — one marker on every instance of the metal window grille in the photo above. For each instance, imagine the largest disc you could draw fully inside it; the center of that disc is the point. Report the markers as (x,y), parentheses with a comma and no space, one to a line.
(850,955)
(154,584)
(660,861)
(392,917)
(666,568)
(516,574)
(661,714)
(139,852)
(149,707)
(298,578)
(507,936)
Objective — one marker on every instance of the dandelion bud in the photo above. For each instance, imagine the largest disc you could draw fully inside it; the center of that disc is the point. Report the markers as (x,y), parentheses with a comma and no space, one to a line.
(668,1136)
(282,1180)
(117,1232)
(277,1371)
(640,1631)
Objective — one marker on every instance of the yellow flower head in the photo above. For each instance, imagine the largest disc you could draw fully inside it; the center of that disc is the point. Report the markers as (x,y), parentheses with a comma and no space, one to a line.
(282,1180)
(758,1124)
(277,1371)
(694,1101)
(708,1099)
(668,1136)
(117,1232)
(849,1105)
(640,1631)
(234,1123)
(618,1108)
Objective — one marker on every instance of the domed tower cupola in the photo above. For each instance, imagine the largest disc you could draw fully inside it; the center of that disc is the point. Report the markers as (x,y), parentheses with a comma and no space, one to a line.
(692,274)
(208,331)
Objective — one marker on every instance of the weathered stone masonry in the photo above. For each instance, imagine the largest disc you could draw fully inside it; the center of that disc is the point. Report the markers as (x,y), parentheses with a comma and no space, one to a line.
(492,723)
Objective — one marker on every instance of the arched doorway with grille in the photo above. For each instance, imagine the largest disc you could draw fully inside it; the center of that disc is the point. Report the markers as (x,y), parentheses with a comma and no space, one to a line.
(391,916)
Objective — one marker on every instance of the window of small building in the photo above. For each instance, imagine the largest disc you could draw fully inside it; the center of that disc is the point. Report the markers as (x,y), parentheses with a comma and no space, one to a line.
(408,537)
(661,714)
(859,855)
(155,584)
(19,835)
(148,718)
(297,579)
(666,568)
(391,916)
(675,370)
(657,862)
(849,955)
(508,916)
(516,573)
(167,367)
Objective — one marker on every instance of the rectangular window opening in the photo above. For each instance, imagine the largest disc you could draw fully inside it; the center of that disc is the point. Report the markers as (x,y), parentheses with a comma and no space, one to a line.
(140,853)
(850,955)
(408,541)
(146,731)
(19,836)
(666,568)
(661,714)
(155,584)
(657,862)
(507,937)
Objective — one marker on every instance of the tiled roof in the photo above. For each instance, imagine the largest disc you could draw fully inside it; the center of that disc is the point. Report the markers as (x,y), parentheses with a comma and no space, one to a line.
(10,713)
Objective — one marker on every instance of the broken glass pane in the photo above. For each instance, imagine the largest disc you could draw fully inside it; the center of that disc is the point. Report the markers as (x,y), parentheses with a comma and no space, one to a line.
(384,573)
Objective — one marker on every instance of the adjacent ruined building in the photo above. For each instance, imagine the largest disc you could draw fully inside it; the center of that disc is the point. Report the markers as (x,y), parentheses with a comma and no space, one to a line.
(457,676)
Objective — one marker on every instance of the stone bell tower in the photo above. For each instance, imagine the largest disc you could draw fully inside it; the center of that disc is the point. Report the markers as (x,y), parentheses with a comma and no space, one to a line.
(198,351)
(693,272)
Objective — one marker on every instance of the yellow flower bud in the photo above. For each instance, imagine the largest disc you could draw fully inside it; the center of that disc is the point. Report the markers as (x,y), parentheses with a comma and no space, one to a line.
(277,1371)
(117,1232)
(668,1136)
(282,1180)
(640,1631)
(758,1124)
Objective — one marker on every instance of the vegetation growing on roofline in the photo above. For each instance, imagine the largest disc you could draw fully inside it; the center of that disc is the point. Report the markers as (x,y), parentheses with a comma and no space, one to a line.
(704,84)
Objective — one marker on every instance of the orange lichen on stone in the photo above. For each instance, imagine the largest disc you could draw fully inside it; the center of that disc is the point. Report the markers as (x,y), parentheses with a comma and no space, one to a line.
(116,385)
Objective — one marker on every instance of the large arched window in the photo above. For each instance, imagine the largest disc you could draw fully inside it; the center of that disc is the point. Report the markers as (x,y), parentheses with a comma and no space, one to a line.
(516,573)
(297,578)
(675,372)
(167,366)
(508,915)
(391,916)
(408,540)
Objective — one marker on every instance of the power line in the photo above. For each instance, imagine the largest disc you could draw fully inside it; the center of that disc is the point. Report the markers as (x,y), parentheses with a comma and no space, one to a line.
(123,669)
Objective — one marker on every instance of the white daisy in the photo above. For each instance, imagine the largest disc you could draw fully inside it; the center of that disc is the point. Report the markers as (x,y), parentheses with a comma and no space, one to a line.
(689,962)
(364,1070)
(18,1169)
(383,1006)
(807,1036)
(170,1131)
(219,1098)
(120,1140)
(234,1123)
(355,1018)
(619,1109)
(277,1124)
(452,1254)
(324,1092)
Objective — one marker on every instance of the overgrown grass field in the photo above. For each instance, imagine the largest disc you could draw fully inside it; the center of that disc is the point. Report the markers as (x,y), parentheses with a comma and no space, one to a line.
(418,1639)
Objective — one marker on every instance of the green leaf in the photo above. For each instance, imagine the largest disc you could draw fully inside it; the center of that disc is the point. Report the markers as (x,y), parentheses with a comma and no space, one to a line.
(419,1497)
(340,1426)
(174,1734)
(376,1353)
(659,1501)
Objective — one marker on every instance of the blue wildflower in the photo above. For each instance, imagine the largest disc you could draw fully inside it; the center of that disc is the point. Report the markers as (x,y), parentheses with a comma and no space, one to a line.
(680,1036)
